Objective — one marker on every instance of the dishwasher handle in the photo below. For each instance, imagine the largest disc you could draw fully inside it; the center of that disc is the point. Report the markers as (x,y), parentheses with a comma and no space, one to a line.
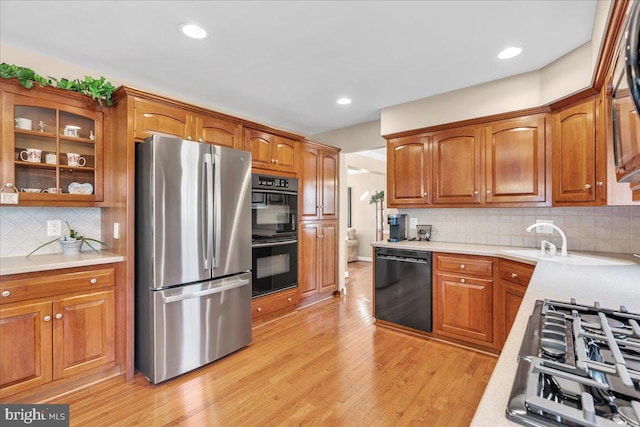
(403,259)
(232,285)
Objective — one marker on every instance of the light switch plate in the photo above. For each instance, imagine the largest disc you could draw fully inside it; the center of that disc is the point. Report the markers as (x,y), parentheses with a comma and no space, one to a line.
(543,229)
(413,222)
(54,228)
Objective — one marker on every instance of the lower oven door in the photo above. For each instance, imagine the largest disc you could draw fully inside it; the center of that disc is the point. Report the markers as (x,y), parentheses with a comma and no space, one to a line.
(275,267)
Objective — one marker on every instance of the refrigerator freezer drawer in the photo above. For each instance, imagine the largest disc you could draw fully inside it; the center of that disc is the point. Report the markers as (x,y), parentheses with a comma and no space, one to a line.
(197,324)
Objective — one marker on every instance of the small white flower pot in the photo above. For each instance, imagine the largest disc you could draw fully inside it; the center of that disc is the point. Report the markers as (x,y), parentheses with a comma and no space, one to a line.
(70,246)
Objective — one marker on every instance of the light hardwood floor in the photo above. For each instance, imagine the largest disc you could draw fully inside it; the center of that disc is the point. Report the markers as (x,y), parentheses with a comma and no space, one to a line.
(327,365)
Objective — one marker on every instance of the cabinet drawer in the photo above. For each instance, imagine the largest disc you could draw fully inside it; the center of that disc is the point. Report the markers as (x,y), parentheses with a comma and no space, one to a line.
(47,286)
(270,303)
(516,272)
(480,267)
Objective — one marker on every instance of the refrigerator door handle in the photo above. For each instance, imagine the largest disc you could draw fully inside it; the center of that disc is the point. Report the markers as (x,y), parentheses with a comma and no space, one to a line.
(217,210)
(208,229)
(231,285)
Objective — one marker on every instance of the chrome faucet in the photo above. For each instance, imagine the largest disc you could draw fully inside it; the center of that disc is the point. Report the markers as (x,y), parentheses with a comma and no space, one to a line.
(563,250)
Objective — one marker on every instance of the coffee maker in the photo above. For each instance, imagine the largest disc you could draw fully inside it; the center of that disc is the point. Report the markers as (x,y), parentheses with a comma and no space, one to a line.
(397,227)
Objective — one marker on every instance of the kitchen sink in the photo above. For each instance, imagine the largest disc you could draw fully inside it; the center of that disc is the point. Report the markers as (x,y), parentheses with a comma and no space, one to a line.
(572,259)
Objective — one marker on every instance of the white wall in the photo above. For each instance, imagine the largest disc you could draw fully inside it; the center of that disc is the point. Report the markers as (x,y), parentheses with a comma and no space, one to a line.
(364,136)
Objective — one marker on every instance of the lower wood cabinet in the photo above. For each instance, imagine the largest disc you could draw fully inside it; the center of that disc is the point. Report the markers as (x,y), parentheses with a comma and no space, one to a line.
(317,267)
(464,299)
(70,331)
(514,279)
(274,304)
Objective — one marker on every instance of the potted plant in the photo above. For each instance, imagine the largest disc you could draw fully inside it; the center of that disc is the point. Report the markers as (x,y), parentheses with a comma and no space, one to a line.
(378,199)
(71,244)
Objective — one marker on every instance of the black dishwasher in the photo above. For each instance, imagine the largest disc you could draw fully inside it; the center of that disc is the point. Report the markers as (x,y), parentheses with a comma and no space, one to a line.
(403,287)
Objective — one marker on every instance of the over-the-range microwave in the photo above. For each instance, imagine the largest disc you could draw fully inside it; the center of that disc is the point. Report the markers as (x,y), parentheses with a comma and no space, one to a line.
(626,100)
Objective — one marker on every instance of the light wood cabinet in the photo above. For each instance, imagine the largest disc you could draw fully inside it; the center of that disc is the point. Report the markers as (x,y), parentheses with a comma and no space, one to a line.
(514,279)
(408,171)
(60,325)
(151,117)
(271,152)
(42,129)
(464,300)
(318,182)
(318,259)
(515,161)
(575,156)
(457,160)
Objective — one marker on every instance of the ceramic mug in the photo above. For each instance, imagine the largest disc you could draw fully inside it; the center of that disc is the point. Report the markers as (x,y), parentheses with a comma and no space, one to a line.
(52,190)
(51,158)
(71,131)
(74,159)
(31,190)
(33,155)
(22,123)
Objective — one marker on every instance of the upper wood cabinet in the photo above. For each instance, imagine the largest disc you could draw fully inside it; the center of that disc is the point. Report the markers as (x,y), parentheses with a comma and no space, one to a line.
(152,118)
(271,152)
(318,182)
(515,161)
(574,155)
(408,171)
(457,160)
(43,131)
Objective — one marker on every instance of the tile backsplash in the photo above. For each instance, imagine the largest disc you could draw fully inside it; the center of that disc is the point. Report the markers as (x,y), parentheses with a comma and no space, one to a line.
(24,229)
(602,229)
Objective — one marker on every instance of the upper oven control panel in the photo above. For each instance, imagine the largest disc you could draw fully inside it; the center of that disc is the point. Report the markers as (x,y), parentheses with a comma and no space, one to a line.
(267,182)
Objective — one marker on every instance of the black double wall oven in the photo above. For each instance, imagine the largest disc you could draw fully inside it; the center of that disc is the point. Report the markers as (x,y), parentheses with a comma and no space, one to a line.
(274,217)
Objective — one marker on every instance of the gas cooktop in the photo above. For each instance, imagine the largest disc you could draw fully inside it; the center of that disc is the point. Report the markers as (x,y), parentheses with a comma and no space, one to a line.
(578,365)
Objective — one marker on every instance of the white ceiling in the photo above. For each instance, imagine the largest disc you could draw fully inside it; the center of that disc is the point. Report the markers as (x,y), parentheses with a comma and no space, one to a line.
(284,63)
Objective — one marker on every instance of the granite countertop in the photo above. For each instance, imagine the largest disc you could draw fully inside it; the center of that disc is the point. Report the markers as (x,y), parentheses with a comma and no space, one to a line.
(22,264)
(611,285)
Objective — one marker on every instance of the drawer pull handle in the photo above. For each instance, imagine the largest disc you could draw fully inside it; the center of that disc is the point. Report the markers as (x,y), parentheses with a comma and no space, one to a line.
(259,309)
(94,281)
(47,318)
(463,281)
(461,266)
(288,299)
(514,275)
(6,293)
(59,316)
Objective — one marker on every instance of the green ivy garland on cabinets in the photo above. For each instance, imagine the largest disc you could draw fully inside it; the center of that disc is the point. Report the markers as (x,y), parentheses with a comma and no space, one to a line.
(98,89)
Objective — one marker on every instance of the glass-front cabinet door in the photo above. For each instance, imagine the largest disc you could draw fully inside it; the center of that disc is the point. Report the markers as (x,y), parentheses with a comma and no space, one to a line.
(55,151)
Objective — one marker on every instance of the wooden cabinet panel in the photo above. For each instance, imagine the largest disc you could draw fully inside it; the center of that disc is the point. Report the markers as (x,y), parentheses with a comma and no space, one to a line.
(285,153)
(267,304)
(83,333)
(408,171)
(514,279)
(512,298)
(270,151)
(465,265)
(465,308)
(574,154)
(457,158)
(318,183)
(25,334)
(155,118)
(219,132)
(318,269)
(515,161)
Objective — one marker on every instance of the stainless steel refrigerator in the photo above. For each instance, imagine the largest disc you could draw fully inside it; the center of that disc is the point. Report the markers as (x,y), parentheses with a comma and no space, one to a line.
(193,255)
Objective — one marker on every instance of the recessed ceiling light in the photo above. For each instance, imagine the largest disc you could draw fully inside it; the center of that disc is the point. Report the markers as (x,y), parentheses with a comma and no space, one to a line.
(193,30)
(343,101)
(510,52)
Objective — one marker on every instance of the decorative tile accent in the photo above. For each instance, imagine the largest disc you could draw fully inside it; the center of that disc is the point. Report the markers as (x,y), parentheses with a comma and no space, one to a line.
(602,229)
(24,229)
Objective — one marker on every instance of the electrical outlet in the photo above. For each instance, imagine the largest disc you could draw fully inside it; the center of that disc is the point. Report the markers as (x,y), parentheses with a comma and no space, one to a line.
(54,228)
(116,230)
(413,222)
(543,229)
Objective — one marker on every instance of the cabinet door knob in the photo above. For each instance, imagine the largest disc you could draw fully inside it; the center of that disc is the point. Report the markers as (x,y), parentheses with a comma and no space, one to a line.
(425,194)
(461,266)
(275,161)
(189,138)
(288,299)
(6,293)
(514,275)
(259,309)
(93,281)
(59,316)
(476,192)
(587,186)
(320,236)
(47,318)
(463,281)
(600,183)
(200,140)
(488,191)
